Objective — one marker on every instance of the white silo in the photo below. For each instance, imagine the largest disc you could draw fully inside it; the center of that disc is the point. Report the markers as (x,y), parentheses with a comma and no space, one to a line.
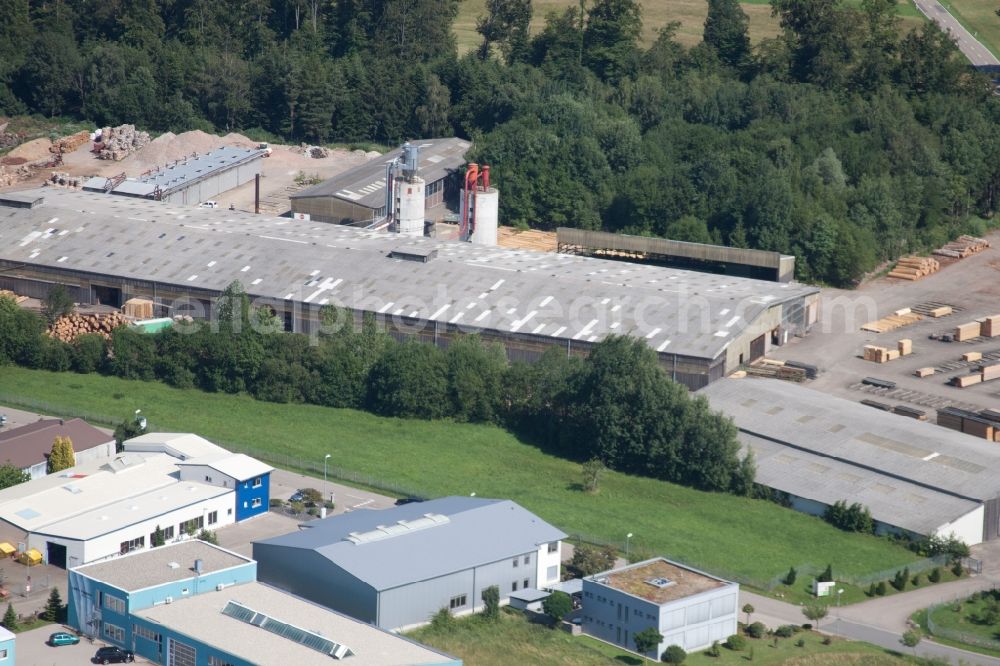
(487,213)
(409,206)
(479,207)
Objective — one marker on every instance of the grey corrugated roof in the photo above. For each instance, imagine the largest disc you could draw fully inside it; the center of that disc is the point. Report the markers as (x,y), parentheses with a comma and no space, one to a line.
(365,184)
(478,531)
(184,172)
(552,298)
(818,446)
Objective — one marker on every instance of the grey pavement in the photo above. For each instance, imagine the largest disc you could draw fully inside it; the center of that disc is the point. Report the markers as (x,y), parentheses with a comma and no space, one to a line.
(32,649)
(978,55)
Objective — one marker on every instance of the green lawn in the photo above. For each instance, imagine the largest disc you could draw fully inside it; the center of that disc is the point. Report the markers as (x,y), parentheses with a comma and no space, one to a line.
(754,539)
(514,640)
(978,17)
(962,624)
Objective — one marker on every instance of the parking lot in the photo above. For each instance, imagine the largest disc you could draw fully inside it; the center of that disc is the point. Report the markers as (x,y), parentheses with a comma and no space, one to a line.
(32,649)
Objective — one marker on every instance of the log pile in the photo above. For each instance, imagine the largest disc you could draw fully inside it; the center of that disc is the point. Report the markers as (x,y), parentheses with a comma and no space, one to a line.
(914,268)
(9,294)
(68,144)
(68,328)
(964,247)
(117,143)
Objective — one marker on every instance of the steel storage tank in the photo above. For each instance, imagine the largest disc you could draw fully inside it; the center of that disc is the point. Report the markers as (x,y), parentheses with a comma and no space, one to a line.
(487,214)
(410,206)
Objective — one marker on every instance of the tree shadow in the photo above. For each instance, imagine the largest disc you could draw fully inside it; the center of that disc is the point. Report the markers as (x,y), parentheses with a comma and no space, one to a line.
(627,659)
(575,487)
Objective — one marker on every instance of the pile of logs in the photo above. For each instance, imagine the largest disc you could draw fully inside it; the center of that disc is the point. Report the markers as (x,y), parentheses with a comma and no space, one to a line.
(69,327)
(9,294)
(68,144)
(117,143)
(963,247)
(914,268)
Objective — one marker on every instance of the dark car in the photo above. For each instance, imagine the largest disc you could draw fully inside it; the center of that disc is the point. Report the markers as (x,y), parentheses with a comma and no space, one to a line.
(297,496)
(113,655)
(407,500)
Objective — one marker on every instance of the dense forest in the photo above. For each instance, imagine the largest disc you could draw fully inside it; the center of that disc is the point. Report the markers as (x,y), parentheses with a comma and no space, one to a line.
(843,140)
(617,405)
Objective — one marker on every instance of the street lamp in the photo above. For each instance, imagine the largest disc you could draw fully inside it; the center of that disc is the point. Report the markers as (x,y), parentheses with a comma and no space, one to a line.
(627,538)
(838,596)
(325,458)
(140,420)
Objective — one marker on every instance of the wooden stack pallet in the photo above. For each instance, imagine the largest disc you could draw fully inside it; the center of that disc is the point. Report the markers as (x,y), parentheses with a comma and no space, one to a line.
(877,354)
(924,372)
(964,247)
(527,239)
(892,322)
(70,327)
(978,424)
(934,309)
(989,327)
(914,268)
(967,331)
(10,294)
(138,308)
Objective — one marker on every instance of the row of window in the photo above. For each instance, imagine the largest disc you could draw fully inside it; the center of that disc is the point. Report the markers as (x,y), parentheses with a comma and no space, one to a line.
(513,586)
(140,631)
(113,603)
(114,633)
(527,560)
(192,525)
(218,661)
(457,602)
(132,544)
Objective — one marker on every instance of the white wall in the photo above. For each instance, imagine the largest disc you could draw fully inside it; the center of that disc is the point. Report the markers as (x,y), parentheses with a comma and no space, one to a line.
(544,560)
(968,528)
(99,452)
(206,474)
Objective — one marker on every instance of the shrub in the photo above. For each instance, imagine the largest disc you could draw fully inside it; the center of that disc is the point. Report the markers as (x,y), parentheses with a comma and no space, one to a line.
(557,605)
(311,496)
(714,651)
(807,626)
(827,575)
(674,654)
(443,620)
(297,507)
(956,568)
(880,589)
(871,590)
(756,630)
(915,581)
(790,576)
(800,643)
(735,643)
(901,578)
(827,640)
(785,631)
(276,503)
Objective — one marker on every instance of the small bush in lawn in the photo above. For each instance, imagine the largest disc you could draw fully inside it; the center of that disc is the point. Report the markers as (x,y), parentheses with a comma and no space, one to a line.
(735,643)
(880,589)
(756,630)
(785,631)
(935,575)
(956,568)
(871,590)
(827,640)
(807,626)
(674,654)
(915,580)
(714,651)
(800,643)
(790,576)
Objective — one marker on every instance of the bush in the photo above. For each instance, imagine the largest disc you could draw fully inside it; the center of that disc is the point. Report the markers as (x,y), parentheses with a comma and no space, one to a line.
(714,651)
(800,643)
(871,590)
(827,575)
(901,578)
(956,568)
(311,496)
(674,654)
(276,503)
(790,576)
(915,581)
(735,643)
(557,605)
(785,631)
(935,575)
(880,589)
(443,620)
(757,630)
(827,640)
(807,626)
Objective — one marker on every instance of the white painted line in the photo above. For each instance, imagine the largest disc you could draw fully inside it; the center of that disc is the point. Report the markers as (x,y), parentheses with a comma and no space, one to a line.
(930,457)
(605,301)
(663,346)
(538,329)
(721,334)
(288,296)
(483,315)
(615,325)
(652,334)
(414,314)
(287,240)
(512,311)
(497,284)
(723,313)
(440,310)
(398,311)
(314,273)
(592,338)
(518,324)
(483,295)
(210,264)
(585,331)
(257,281)
(192,278)
(616,308)
(385,307)
(61,259)
(558,331)
(545,301)
(470,305)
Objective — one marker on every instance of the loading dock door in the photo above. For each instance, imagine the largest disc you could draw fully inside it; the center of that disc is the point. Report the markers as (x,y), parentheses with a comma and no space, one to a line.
(56,554)
(757,348)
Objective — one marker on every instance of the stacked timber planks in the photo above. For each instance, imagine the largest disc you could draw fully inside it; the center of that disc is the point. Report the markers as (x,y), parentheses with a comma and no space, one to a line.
(9,294)
(877,354)
(989,327)
(964,247)
(924,372)
(138,308)
(910,412)
(979,424)
(68,328)
(914,268)
(967,331)
(892,322)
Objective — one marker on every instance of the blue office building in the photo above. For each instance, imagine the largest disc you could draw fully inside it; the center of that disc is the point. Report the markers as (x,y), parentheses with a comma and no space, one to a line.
(6,647)
(249,477)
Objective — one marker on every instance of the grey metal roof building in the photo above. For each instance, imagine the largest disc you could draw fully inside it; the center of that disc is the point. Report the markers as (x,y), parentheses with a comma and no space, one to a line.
(397,567)
(358,194)
(109,249)
(912,475)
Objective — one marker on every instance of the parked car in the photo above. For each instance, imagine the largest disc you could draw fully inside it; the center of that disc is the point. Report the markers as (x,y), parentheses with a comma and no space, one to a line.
(407,500)
(208,204)
(63,638)
(297,496)
(113,655)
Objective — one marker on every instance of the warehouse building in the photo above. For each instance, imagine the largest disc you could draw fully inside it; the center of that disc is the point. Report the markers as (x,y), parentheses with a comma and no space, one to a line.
(357,196)
(103,509)
(188,181)
(687,607)
(396,568)
(195,604)
(110,249)
(914,477)
(28,447)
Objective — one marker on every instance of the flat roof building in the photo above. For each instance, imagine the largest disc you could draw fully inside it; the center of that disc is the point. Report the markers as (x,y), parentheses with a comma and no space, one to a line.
(28,447)
(913,476)
(397,567)
(687,607)
(357,196)
(109,249)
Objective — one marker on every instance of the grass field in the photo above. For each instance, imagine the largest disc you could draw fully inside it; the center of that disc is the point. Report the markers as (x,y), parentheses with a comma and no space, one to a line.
(964,617)
(656,14)
(514,640)
(978,17)
(754,539)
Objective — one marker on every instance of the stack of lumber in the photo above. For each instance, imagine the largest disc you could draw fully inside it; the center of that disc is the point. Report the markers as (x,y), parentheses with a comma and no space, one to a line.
(914,268)
(990,372)
(877,354)
(528,239)
(924,372)
(892,322)
(968,331)
(138,308)
(10,294)
(984,373)
(905,347)
(971,423)
(967,380)
(877,405)
(972,356)
(68,144)
(912,413)
(942,311)
(989,327)
(68,328)
(963,247)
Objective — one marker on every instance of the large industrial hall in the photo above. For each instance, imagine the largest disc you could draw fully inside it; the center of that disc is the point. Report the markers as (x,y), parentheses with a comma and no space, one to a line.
(913,476)
(109,249)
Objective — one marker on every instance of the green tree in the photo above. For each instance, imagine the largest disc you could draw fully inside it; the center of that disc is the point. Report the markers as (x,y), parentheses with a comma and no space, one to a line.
(827,575)
(58,303)
(648,640)
(11,476)
(61,457)
(557,605)
(588,560)
(53,607)
(491,603)
(911,639)
(674,654)
(410,380)
(815,611)
(790,577)
(158,539)
(10,620)
(748,609)
(506,25)
(208,536)
(727,31)
(592,471)
(610,38)
(475,375)
(88,353)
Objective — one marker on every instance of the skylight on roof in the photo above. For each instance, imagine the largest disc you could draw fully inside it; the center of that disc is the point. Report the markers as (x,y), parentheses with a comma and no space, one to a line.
(309,639)
(660,583)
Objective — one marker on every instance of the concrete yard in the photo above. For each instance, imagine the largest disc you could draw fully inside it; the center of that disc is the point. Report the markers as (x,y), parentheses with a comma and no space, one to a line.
(971,286)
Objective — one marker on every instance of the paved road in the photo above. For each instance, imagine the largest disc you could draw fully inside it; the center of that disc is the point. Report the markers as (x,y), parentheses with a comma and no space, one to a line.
(973,49)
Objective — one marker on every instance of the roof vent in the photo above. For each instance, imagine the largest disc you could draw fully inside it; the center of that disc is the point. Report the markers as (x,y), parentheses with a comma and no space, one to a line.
(173,565)
(414,253)
(660,582)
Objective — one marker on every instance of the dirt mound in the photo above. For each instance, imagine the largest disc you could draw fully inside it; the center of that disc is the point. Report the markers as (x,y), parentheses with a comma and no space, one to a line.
(32,150)
(12,161)
(238,140)
(168,148)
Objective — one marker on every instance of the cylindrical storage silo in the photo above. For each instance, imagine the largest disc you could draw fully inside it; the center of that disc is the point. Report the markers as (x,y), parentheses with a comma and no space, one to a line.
(487,213)
(410,206)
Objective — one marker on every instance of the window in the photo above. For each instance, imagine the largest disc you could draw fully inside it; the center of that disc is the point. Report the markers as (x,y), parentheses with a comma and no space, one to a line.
(213,517)
(516,562)
(3,653)
(457,602)
(229,512)
(257,483)
(168,534)
(552,572)
(133,544)
(527,583)
(185,590)
(208,479)
(114,603)
(553,546)
(192,525)
(114,633)
(527,560)
(256,503)
(140,631)
(513,586)
(218,661)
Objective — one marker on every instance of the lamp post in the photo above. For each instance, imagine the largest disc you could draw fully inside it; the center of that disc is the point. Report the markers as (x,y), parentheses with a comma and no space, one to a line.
(628,537)
(325,458)
(140,420)
(839,591)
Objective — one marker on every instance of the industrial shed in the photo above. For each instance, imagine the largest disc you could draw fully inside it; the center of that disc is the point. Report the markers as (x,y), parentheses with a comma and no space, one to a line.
(913,476)
(396,567)
(191,180)
(110,249)
(28,447)
(357,196)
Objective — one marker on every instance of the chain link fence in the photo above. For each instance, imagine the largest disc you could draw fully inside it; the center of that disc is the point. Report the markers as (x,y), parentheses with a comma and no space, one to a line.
(954,634)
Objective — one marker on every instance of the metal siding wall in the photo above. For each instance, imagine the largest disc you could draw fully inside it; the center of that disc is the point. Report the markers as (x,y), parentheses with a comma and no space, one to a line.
(991,519)
(417,603)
